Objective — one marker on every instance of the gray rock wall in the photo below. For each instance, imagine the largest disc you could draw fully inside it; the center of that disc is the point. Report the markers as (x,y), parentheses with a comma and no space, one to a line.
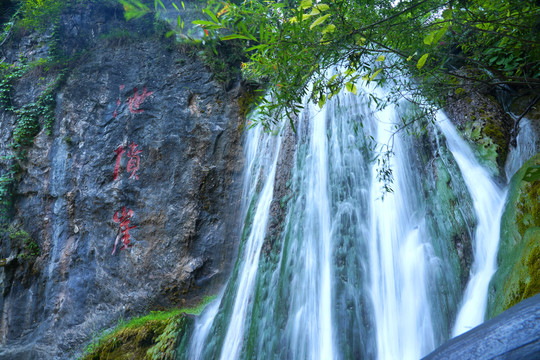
(146,150)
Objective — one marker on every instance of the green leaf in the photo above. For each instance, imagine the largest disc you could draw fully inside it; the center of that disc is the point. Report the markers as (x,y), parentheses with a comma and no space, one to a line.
(203,22)
(176,7)
(212,16)
(440,33)
(257,47)
(319,21)
(380,58)
(375,74)
(322,7)
(428,39)
(532,174)
(161,3)
(447,14)
(305,4)
(322,101)
(236,36)
(314,11)
(329,29)
(183,6)
(422,61)
(360,41)
(351,87)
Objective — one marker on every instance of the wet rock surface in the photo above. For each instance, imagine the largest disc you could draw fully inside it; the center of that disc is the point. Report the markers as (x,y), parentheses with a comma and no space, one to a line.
(483,122)
(145,150)
(449,217)
(518,273)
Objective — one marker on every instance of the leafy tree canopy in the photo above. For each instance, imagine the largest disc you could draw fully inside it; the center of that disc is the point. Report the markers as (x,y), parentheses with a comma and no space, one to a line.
(301,48)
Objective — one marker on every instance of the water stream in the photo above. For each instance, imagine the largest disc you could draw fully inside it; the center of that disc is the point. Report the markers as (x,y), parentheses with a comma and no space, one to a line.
(488,200)
(400,251)
(352,274)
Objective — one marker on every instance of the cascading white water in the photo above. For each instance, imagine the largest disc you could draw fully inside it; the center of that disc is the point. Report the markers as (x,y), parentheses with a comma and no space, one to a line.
(202,328)
(251,255)
(351,275)
(399,258)
(525,148)
(310,312)
(488,201)
(261,153)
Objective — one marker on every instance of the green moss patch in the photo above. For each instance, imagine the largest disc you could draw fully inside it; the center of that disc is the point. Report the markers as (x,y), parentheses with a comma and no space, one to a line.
(518,275)
(483,122)
(153,337)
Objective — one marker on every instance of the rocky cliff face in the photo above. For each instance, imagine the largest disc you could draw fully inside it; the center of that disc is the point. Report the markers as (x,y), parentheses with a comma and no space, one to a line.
(130,204)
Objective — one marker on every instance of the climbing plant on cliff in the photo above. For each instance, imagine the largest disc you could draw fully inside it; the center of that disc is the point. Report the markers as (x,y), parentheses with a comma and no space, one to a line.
(294,45)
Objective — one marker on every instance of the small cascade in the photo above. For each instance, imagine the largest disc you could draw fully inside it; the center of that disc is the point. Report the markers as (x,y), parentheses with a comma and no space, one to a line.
(202,328)
(251,256)
(525,148)
(400,254)
(261,154)
(309,327)
(488,201)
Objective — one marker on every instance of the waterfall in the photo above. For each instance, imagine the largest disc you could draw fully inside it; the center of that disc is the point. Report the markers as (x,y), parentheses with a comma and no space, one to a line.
(261,154)
(488,202)
(350,273)
(525,148)
(202,328)
(399,258)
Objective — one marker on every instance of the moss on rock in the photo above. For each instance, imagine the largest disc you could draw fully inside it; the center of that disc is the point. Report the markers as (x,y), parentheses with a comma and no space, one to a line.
(156,336)
(483,122)
(518,275)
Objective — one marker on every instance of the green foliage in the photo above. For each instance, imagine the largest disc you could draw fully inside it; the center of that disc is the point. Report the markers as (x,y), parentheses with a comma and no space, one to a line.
(8,27)
(10,74)
(153,336)
(29,118)
(6,182)
(29,249)
(118,36)
(292,46)
(222,58)
(40,14)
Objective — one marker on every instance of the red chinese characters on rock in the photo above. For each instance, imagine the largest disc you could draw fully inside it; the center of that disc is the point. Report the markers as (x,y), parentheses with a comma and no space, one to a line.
(123,219)
(134,101)
(134,160)
(119,153)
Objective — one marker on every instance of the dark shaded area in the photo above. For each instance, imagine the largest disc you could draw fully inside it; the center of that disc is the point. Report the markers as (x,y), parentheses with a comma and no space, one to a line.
(7,8)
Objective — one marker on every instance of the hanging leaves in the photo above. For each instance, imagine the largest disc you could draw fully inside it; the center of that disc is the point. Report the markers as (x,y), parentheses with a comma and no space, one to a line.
(375,74)
(305,4)
(422,61)
(322,7)
(351,87)
(329,29)
(319,21)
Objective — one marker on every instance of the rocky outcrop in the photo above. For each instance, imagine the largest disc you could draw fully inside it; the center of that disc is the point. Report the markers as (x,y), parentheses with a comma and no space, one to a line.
(483,122)
(131,200)
(518,274)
